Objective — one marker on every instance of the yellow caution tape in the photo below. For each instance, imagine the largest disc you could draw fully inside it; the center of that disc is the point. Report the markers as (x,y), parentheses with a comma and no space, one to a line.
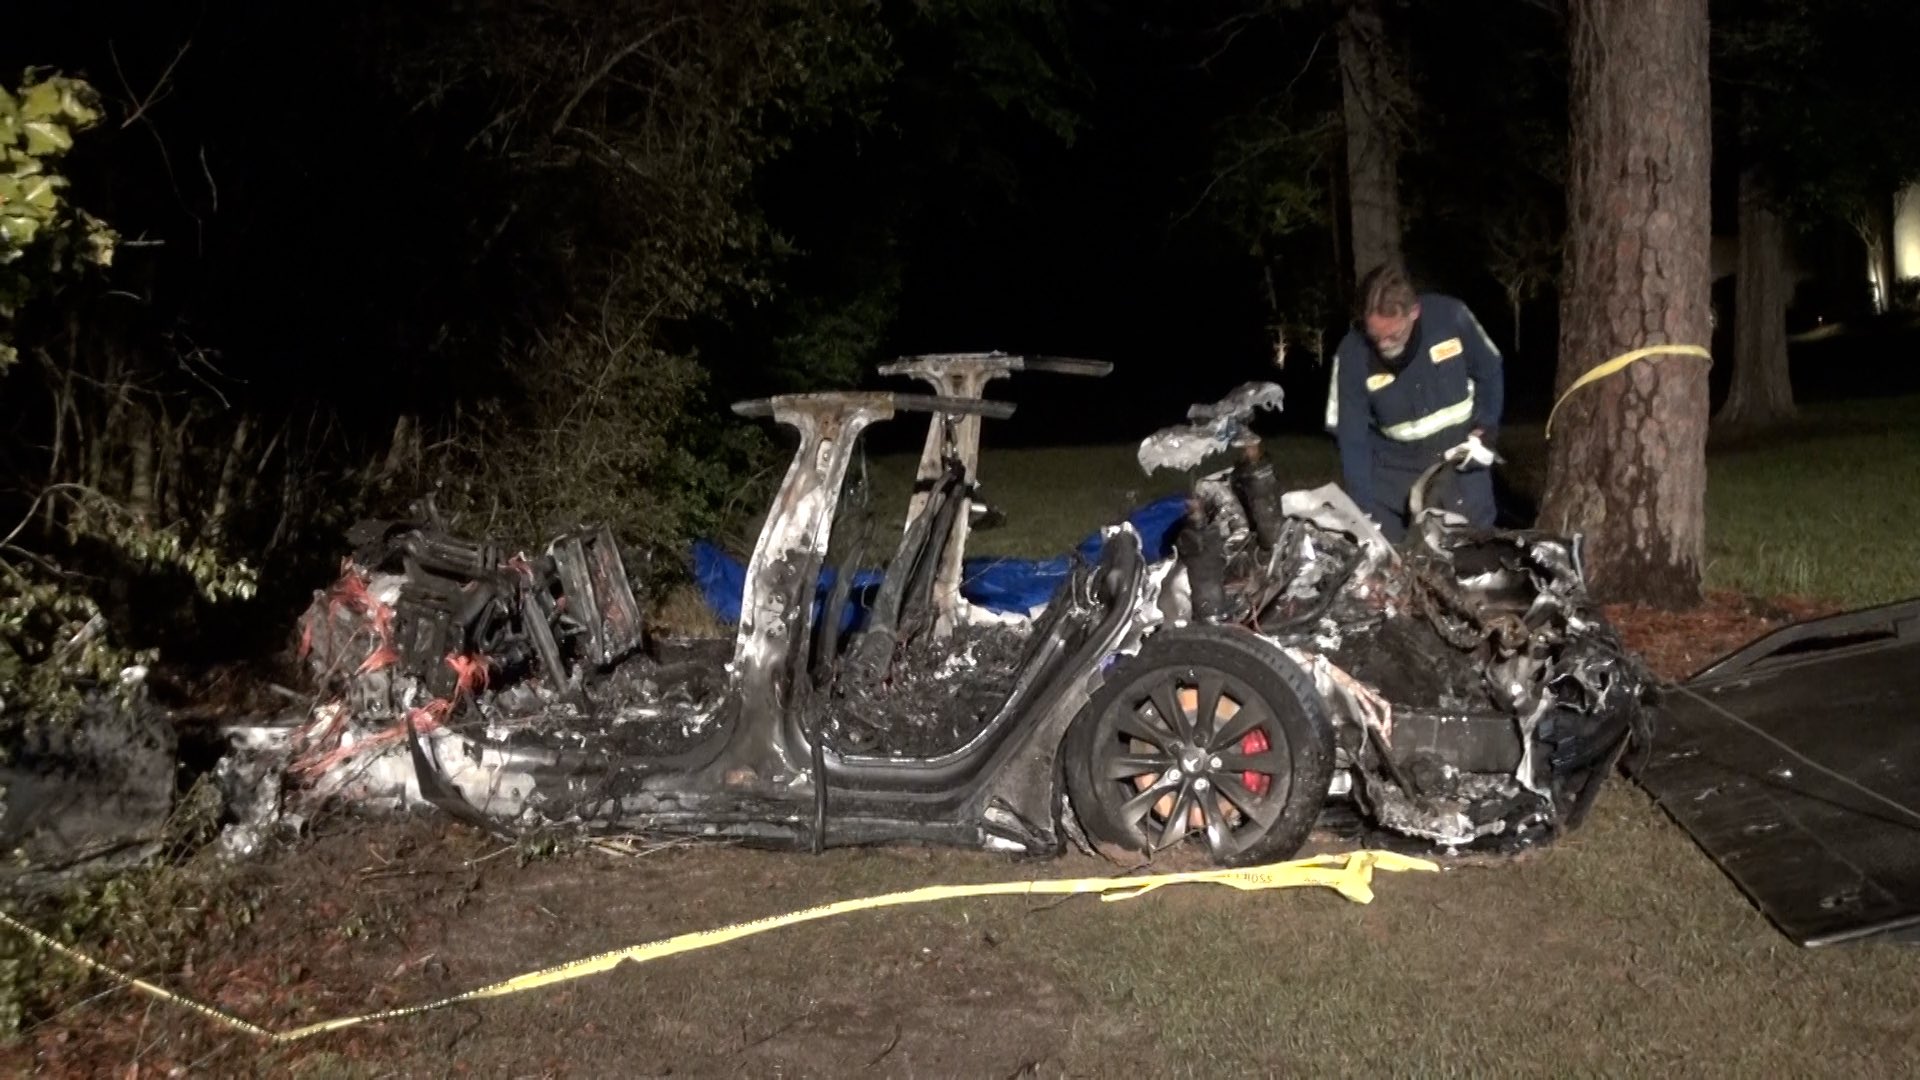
(1621,363)
(1351,875)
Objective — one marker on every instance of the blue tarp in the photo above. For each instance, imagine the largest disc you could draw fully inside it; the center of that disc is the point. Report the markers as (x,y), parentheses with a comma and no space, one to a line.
(996,584)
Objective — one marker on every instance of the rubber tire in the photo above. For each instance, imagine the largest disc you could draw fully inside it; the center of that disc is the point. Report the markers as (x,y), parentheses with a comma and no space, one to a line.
(1283,687)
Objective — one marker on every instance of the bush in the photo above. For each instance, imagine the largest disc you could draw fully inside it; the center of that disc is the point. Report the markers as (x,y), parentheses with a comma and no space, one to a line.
(1906,294)
(613,431)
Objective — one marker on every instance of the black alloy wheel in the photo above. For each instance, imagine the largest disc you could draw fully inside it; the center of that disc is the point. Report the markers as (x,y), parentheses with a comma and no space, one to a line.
(1209,730)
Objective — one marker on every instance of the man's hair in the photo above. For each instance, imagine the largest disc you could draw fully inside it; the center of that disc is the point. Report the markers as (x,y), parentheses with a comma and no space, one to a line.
(1386,290)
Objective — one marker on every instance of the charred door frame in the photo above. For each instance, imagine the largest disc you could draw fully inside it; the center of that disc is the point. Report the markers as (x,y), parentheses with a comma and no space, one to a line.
(776,609)
(1003,784)
(964,376)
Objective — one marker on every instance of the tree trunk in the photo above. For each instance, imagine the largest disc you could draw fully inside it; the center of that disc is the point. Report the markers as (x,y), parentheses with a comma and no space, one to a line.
(1370,90)
(229,471)
(252,488)
(1515,301)
(398,448)
(63,407)
(1761,395)
(171,475)
(1880,222)
(99,470)
(1627,463)
(140,465)
(1337,201)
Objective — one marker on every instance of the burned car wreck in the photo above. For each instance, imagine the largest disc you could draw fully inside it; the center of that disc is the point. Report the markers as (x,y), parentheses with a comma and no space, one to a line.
(1276,659)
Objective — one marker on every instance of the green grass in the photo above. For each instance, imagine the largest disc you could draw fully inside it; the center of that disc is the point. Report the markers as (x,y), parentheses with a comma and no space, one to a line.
(1055,496)
(1621,949)
(1828,509)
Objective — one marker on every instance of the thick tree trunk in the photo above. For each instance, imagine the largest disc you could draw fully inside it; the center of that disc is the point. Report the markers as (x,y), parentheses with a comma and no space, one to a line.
(1627,463)
(1880,246)
(1761,394)
(1370,84)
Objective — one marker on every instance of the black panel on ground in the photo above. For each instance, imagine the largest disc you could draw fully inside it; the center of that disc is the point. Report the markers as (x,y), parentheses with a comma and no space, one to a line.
(1824,860)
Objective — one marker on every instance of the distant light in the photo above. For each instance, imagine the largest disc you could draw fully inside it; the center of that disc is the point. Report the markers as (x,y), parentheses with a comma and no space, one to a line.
(1906,233)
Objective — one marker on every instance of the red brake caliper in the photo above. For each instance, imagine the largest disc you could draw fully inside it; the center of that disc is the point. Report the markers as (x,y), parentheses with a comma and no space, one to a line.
(1255,742)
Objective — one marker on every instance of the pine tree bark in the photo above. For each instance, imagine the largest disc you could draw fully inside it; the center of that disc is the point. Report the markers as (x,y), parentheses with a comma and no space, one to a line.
(1762,393)
(1370,83)
(1627,461)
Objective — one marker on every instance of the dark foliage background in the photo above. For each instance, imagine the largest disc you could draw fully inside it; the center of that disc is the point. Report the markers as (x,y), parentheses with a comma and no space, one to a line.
(520,255)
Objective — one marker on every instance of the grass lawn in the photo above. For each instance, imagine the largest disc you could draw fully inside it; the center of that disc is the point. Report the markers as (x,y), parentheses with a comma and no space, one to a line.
(1828,509)
(1829,512)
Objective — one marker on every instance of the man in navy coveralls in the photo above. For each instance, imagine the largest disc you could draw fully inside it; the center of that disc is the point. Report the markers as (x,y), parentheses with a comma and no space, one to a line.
(1412,380)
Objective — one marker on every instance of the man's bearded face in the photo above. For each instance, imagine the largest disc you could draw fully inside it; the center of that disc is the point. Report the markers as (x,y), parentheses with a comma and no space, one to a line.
(1390,333)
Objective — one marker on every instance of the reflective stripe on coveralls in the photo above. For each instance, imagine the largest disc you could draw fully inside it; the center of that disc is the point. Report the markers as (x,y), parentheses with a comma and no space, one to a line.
(1434,422)
(1411,430)
(1333,396)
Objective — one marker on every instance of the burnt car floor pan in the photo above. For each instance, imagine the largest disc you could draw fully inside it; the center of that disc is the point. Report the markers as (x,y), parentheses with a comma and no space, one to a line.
(1795,763)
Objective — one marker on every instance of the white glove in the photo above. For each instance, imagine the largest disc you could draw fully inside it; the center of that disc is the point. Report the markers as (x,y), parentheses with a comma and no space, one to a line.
(1472,453)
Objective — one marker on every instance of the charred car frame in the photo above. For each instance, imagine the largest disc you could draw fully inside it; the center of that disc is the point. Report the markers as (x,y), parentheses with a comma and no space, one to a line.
(1279,659)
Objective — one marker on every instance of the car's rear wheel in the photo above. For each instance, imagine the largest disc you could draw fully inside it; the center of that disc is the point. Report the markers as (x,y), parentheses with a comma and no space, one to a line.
(1209,730)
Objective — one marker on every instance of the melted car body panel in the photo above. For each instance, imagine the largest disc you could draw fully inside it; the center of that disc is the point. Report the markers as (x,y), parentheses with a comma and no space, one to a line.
(1480,697)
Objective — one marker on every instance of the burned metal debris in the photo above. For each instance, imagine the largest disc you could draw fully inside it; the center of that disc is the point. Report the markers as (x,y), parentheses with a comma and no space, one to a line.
(432,596)
(1284,657)
(1478,694)
(1212,427)
(524,663)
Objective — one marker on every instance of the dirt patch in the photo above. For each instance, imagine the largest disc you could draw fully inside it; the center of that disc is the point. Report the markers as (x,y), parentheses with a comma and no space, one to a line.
(1676,644)
(376,915)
